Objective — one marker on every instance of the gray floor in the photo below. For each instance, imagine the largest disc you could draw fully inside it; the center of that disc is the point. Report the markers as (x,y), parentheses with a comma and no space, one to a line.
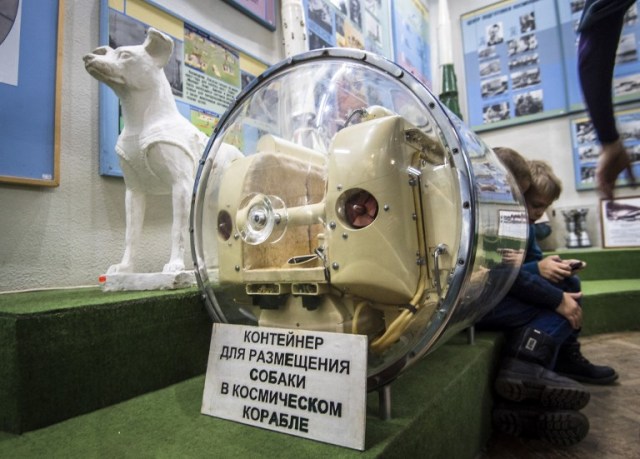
(613,412)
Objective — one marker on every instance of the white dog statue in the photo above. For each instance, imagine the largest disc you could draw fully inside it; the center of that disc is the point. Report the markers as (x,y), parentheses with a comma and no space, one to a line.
(158,148)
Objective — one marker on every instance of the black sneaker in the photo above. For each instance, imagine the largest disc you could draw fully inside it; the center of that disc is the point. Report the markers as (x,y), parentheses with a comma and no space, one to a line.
(572,364)
(519,380)
(558,427)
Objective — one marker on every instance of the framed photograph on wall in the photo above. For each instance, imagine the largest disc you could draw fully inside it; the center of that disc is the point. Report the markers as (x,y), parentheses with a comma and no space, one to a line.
(626,74)
(586,148)
(262,11)
(30,85)
(620,221)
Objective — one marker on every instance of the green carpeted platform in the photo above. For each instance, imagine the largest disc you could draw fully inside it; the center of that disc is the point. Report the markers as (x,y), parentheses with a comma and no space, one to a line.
(120,374)
(68,352)
(436,410)
(605,264)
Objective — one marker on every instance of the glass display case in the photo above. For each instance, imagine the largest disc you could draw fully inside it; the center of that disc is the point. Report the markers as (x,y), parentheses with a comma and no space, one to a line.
(338,194)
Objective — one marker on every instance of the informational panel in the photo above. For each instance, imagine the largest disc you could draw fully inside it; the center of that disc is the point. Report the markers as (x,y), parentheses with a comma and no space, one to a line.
(411,38)
(513,62)
(361,24)
(303,383)
(586,148)
(397,30)
(205,72)
(626,75)
(30,78)
(620,222)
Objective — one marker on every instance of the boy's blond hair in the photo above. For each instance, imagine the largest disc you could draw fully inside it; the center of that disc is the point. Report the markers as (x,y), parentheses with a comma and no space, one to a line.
(516,164)
(543,181)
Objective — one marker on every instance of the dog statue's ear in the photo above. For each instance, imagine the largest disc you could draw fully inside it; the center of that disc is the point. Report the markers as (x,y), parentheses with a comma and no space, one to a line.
(159,46)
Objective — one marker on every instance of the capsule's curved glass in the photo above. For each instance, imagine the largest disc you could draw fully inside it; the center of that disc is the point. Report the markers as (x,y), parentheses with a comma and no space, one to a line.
(337,194)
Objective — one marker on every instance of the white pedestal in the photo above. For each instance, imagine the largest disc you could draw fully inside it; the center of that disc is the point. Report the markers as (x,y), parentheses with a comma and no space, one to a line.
(147,281)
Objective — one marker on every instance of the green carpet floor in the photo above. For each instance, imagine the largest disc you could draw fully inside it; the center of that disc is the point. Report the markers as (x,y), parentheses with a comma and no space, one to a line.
(120,375)
(167,423)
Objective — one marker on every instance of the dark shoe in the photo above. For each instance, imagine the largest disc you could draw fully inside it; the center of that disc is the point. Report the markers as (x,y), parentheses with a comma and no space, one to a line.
(519,380)
(572,364)
(560,427)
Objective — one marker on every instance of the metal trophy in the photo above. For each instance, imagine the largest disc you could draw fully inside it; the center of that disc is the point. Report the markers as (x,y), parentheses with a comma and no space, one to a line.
(572,239)
(581,228)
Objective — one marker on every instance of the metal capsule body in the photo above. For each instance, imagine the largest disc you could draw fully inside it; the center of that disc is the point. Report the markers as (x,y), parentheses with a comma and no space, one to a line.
(338,194)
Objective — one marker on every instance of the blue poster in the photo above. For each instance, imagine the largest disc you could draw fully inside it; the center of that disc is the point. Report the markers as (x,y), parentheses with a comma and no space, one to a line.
(586,148)
(514,65)
(626,75)
(359,24)
(411,45)
(29,81)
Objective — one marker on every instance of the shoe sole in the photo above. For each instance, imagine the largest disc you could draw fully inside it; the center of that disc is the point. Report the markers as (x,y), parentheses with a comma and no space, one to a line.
(559,428)
(518,390)
(598,381)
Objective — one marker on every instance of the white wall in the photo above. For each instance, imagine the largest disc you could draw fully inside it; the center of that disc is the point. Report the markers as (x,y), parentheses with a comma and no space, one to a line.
(69,235)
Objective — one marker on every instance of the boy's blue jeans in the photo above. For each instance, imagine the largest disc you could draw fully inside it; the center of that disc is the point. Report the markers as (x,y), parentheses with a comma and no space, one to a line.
(511,314)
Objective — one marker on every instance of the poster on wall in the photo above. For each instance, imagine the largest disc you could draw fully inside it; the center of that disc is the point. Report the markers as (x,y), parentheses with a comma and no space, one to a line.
(586,147)
(205,73)
(620,222)
(30,82)
(626,74)
(397,30)
(360,24)
(513,63)
(412,49)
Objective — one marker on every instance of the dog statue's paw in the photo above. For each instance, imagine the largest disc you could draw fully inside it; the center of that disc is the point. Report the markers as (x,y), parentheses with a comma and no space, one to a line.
(173,267)
(120,268)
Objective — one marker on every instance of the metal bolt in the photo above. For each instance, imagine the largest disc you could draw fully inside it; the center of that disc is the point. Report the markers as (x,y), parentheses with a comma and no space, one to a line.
(332,225)
(335,265)
(345,236)
(386,207)
(237,268)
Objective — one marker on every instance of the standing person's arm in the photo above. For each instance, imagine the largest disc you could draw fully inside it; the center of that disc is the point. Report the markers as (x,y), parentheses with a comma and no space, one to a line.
(600,29)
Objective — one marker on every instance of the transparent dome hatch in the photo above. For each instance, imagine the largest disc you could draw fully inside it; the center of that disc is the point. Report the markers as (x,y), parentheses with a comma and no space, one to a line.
(337,194)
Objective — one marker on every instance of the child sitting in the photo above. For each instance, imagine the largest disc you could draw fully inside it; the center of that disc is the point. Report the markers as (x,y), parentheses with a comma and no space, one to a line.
(541,315)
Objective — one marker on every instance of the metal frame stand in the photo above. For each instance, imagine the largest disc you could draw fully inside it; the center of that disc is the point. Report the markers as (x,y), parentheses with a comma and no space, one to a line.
(471,335)
(384,393)
(384,402)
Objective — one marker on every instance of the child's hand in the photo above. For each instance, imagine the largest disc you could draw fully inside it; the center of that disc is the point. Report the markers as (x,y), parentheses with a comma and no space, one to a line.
(575,265)
(570,309)
(553,268)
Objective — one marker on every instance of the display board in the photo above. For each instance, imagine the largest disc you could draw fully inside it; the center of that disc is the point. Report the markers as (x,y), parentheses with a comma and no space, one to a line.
(30,78)
(360,24)
(586,148)
(514,65)
(522,57)
(626,75)
(397,30)
(411,29)
(205,72)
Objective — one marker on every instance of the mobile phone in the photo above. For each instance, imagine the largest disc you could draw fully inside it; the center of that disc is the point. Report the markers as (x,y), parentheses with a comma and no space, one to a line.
(576,265)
